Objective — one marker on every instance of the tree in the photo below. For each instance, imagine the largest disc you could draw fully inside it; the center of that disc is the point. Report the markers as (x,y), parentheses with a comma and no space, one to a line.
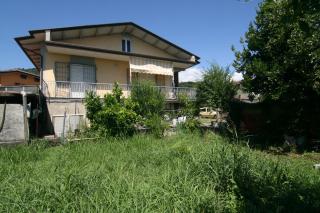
(280,58)
(216,89)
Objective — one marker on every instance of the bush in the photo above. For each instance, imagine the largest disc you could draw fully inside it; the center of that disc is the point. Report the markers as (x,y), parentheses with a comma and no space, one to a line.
(187,107)
(93,104)
(114,115)
(150,100)
(191,125)
(157,125)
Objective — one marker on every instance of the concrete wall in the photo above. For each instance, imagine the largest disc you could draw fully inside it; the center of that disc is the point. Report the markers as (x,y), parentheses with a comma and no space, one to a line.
(73,108)
(59,106)
(13,130)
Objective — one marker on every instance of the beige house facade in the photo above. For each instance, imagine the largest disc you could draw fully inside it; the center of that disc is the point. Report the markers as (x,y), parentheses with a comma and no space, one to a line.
(74,60)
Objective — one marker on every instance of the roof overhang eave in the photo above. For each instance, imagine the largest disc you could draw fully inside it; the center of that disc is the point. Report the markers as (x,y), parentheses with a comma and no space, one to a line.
(99,50)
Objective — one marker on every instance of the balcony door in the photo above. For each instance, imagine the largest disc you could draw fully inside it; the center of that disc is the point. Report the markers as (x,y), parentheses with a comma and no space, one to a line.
(82,79)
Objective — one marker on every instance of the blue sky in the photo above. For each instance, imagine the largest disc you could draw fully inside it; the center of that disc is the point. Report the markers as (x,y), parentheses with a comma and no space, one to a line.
(207,28)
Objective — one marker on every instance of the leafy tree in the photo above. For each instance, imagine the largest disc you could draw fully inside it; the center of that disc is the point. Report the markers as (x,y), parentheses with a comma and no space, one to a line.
(280,58)
(150,99)
(216,90)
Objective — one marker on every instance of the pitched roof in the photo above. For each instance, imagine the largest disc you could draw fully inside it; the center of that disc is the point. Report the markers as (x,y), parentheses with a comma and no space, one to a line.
(102,29)
(19,70)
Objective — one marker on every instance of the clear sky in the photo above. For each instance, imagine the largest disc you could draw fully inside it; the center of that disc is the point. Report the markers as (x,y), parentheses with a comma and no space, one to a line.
(206,28)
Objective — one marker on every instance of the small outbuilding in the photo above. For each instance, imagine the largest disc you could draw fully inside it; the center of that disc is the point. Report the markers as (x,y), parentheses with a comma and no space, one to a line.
(17,77)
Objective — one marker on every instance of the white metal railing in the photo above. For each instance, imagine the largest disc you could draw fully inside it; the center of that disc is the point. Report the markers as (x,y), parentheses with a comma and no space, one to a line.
(67,89)
(32,89)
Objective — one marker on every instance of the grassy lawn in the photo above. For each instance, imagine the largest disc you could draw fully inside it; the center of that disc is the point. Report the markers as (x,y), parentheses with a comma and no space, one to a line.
(181,173)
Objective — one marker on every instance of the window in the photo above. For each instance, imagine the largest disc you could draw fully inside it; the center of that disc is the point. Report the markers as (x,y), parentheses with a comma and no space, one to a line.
(62,71)
(82,73)
(75,72)
(126,45)
(23,76)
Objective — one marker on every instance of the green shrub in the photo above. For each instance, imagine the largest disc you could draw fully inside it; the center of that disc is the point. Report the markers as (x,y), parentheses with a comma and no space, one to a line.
(191,125)
(187,106)
(150,100)
(188,109)
(114,115)
(156,125)
(93,104)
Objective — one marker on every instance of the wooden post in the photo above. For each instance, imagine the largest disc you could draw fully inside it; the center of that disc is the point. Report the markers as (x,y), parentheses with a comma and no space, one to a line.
(63,127)
(37,118)
(25,117)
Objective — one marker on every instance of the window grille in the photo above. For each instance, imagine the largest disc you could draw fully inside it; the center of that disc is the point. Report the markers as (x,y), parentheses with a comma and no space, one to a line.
(62,71)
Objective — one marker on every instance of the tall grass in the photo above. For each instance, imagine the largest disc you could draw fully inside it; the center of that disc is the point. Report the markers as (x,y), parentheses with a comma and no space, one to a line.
(182,173)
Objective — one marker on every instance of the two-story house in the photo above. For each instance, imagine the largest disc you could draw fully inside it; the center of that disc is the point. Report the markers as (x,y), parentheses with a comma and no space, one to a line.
(73,60)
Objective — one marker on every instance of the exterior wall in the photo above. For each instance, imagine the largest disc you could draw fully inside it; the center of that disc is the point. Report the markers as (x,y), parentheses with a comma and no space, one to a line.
(14,78)
(109,71)
(141,47)
(113,42)
(70,106)
(48,72)
(49,62)
(73,108)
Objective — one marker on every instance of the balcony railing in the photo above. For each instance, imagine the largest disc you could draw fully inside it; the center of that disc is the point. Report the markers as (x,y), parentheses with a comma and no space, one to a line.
(28,89)
(66,89)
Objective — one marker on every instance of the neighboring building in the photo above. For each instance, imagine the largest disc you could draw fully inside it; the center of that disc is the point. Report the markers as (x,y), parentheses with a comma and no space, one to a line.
(74,60)
(19,102)
(16,77)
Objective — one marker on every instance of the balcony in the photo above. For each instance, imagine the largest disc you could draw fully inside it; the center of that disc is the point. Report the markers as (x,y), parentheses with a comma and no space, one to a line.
(27,89)
(77,90)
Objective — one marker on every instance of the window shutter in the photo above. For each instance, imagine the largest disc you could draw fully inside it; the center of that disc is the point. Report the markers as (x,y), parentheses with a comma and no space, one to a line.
(128,46)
